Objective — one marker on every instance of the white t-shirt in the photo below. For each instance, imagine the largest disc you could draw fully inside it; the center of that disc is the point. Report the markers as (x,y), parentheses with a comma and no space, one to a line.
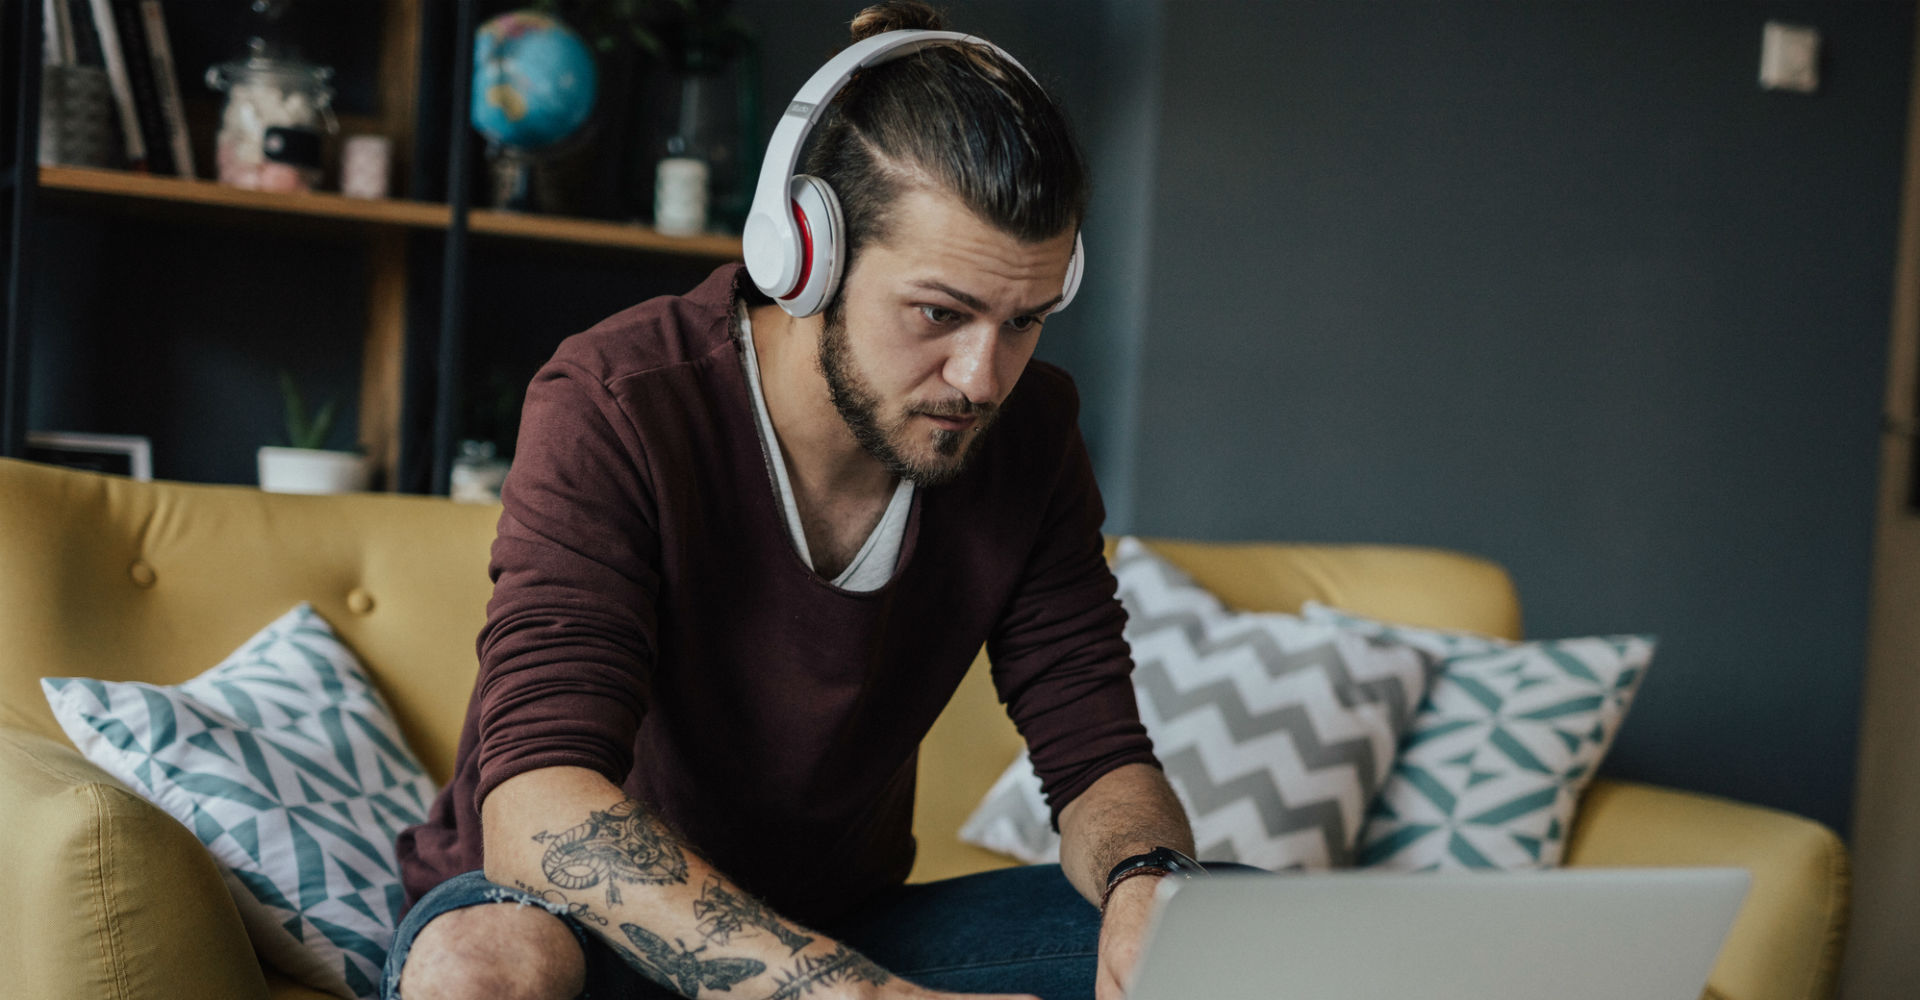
(873,565)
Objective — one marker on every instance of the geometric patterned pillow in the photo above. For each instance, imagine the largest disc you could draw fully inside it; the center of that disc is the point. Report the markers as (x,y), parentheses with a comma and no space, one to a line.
(1274,732)
(286,763)
(1492,769)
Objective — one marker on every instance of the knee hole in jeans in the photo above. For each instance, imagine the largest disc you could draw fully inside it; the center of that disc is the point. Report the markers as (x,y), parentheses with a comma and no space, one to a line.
(494,951)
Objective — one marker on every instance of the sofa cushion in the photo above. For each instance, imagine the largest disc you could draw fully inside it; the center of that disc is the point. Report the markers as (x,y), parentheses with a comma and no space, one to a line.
(285,762)
(1491,771)
(114,900)
(1274,732)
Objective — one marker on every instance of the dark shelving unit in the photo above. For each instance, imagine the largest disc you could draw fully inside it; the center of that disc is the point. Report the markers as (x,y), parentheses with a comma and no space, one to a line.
(415,253)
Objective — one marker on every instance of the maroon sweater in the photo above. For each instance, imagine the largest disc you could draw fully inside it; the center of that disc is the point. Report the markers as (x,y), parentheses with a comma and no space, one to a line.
(652,621)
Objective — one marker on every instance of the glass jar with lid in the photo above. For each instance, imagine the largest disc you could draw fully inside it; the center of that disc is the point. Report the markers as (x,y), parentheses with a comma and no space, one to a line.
(274,124)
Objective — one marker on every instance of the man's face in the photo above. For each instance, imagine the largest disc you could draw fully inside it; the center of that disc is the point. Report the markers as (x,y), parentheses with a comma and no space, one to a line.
(932,328)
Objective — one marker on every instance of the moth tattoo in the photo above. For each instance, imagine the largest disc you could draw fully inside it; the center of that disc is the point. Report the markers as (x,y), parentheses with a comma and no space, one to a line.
(683,968)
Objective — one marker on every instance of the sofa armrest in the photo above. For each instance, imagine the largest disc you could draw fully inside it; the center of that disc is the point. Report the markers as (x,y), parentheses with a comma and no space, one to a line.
(1787,942)
(110,895)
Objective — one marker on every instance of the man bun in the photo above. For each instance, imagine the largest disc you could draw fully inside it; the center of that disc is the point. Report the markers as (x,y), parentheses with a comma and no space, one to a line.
(896,15)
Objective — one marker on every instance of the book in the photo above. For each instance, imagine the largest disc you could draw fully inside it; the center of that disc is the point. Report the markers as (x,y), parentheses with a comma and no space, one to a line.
(172,111)
(101,12)
(131,28)
(78,125)
(57,34)
(77,21)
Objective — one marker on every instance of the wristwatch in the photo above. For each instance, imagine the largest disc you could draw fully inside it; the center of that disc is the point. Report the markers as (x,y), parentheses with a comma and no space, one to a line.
(1159,861)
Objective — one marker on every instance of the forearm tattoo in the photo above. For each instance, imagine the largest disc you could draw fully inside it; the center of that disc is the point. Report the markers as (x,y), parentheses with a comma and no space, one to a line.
(725,912)
(625,845)
(622,844)
(842,965)
(683,968)
(554,897)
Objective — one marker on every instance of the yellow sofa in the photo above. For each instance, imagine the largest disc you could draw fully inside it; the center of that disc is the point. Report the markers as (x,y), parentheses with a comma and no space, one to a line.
(108,578)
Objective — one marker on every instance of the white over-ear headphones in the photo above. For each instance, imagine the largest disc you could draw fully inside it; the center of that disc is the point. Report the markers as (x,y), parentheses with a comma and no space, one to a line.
(795,238)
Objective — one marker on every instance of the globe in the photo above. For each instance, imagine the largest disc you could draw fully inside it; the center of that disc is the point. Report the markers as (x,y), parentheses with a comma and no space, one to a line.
(533,81)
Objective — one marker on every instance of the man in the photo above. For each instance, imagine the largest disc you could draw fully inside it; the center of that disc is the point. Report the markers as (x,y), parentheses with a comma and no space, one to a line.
(744,560)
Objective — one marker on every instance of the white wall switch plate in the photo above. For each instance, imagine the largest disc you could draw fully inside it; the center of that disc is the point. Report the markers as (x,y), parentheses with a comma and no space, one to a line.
(1790,57)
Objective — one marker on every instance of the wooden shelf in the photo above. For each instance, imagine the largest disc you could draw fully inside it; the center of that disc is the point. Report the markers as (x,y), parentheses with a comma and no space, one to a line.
(597,232)
(142,187)
(120,184)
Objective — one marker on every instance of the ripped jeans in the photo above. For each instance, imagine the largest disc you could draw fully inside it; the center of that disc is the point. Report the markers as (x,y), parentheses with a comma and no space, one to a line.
(1016,930)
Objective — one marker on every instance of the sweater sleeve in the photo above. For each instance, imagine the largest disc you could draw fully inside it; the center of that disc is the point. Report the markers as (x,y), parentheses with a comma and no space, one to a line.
(1059,662)
(569,638)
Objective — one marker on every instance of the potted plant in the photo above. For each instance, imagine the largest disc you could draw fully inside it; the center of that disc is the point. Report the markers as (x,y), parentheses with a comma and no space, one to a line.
(306,467)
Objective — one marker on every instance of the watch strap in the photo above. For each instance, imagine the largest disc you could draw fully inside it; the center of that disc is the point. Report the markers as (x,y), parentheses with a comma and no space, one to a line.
(1159,861)
(1114,883)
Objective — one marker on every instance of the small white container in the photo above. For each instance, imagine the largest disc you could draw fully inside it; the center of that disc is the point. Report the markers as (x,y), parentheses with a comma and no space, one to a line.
(312,470)
(366,161)
(680,196)
(477,474)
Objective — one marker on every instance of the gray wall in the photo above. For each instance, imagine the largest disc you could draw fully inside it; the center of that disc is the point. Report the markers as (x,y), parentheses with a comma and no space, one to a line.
(1560,285)
(1553,283)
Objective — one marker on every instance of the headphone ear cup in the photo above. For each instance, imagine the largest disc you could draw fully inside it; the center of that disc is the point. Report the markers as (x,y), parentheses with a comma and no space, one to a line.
(1076,269)
(823,249)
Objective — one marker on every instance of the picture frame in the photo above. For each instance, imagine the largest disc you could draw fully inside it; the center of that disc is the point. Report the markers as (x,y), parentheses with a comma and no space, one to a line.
(129,455)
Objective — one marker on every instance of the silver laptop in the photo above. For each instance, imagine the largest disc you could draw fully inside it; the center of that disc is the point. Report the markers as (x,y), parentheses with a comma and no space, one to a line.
(1568,934)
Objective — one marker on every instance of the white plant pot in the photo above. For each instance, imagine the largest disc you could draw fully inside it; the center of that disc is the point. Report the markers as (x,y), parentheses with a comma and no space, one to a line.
(311,470)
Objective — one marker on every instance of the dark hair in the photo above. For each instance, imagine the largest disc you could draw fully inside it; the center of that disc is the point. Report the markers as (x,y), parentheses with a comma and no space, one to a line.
(956,116)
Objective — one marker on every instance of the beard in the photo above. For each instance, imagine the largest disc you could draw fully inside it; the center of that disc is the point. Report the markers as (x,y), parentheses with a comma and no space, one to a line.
(888,440)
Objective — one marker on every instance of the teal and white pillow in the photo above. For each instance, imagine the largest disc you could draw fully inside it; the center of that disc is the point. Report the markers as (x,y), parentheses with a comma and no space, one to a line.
(1491,770)
(1275,732)
(287,764)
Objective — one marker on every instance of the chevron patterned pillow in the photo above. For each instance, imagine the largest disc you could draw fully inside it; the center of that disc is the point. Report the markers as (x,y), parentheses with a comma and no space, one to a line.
(1275,732)
(288,766)
(1491,771)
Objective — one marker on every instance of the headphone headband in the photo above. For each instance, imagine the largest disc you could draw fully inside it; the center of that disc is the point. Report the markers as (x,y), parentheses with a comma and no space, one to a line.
(778,254)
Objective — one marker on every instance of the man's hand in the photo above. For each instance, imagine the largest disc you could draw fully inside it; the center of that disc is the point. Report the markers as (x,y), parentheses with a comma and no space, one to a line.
(1130,810)
(1123,929)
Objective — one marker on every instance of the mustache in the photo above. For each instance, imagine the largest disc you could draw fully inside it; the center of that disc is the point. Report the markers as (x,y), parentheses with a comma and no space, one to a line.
(953,408)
